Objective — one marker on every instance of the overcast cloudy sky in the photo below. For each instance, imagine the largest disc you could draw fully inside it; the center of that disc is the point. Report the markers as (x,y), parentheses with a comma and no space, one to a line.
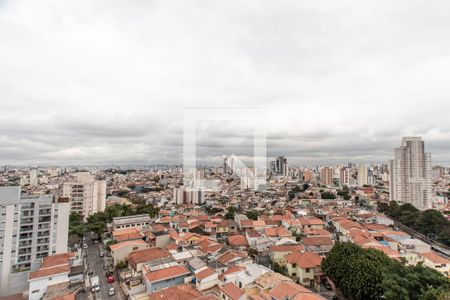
(97,82)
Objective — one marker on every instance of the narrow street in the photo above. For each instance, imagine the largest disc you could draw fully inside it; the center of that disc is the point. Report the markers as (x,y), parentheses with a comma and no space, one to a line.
(95,263)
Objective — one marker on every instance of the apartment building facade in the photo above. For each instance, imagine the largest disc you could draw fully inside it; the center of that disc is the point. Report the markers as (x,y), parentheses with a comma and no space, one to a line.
(410,174)
(31,228)
(86,195)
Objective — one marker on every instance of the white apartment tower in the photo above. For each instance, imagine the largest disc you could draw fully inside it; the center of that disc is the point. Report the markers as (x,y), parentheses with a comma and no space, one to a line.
(31,227)
(86,195)
(410,174)
(362,174)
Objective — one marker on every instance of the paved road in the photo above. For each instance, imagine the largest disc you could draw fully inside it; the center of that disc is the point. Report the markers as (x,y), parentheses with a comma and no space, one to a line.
(95,263)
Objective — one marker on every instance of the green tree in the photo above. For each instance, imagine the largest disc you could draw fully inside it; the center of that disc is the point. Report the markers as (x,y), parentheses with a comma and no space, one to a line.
(327,195)
(231,212)
(252,215)
(370,274)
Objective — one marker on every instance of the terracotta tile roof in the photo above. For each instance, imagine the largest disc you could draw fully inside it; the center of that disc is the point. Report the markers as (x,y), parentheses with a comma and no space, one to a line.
(259,223)
(231,270)
(166,273)
(288,290)
(435,258)
(210,225)
(178,292)
(237,240)
(270,231)
(172,246)
(70,296)
(304,260)
(147,255)
(307,296)
(348,224)
(246,223)
(57,259)
(253,233)
(159,228)
(212,248)
(230,256)
(232,291)
(205,273)
(286,248)
(50,271)
(310,232)
(317,241)
(125,231)
(127,243)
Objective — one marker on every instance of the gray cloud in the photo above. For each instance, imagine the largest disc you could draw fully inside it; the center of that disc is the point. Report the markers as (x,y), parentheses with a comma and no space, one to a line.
(95,82)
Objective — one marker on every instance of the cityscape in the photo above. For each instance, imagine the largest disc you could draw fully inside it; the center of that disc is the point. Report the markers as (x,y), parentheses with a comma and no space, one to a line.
(64,228)
(224,150)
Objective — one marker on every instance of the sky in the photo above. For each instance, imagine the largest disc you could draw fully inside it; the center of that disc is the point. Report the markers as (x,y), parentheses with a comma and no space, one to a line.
(108,82)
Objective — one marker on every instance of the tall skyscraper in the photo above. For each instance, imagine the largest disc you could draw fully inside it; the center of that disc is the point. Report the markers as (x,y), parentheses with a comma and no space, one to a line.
(410,174)
(362,174)
(326,176)
(31,227)
(87,195)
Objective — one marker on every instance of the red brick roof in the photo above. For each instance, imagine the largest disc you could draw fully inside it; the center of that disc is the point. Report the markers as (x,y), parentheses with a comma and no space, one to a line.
(146,255)
(229,256)
(49,272)
(166,273)
(205,273)
(317,241)
(57,259)
(435,258)
(178,292)
(237,240)
(232,291)
(286,248)
(304,260)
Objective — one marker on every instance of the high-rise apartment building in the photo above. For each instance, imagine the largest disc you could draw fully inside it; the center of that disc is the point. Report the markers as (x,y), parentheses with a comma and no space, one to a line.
(410,174)
(184,195)
(344,176)
(31,227)
(280,166)
(326,176)
(309,176)
(362,174)
(87,195)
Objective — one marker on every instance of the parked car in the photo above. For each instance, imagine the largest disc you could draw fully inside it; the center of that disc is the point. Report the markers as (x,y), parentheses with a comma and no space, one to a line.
(112,291)
(85,246)
(102,254)
(110,278)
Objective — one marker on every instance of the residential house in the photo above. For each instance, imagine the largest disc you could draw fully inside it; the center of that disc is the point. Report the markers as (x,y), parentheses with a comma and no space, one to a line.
(435,261)
(206,278)
(231,292)
(165,278)
(319,245)
(305,267)
(120,251)
(151,256)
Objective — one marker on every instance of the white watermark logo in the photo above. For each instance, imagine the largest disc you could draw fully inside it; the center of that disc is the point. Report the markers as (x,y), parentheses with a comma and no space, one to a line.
(253,177)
